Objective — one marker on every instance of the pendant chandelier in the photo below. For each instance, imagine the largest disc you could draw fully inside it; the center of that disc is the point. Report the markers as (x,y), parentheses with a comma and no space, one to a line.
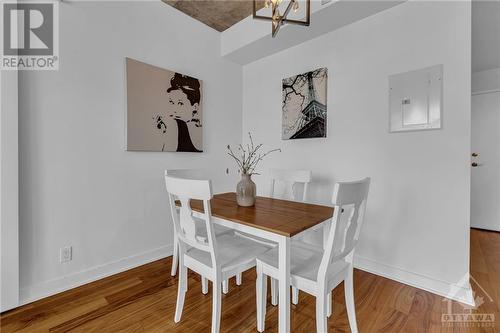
(277,19)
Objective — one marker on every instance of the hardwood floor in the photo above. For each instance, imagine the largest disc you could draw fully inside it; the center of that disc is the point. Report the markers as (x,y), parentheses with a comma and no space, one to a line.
(143,300)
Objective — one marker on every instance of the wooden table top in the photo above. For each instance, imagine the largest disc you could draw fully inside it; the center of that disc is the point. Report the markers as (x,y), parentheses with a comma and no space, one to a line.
(282,217)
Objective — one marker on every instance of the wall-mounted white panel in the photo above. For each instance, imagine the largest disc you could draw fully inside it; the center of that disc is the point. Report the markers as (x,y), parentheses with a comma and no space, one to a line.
(415,99)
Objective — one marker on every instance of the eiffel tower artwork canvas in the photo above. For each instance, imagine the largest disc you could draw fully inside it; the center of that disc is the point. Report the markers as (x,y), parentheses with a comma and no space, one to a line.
(304,105)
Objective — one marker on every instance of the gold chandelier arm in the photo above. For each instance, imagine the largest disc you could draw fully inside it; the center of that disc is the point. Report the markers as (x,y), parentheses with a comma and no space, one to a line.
(277,25)
(283,18)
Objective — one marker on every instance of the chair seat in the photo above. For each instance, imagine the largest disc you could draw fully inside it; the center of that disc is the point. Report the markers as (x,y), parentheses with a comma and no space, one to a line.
(304,260)
(232,251)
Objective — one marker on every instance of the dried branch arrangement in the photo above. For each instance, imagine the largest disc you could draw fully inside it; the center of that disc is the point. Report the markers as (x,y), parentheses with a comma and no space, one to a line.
(247,158)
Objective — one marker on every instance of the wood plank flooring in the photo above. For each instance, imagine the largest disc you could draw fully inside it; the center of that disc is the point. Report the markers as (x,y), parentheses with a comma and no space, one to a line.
(143,300)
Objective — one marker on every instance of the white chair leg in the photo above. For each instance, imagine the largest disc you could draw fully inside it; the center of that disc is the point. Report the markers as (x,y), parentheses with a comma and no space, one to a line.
(238,279)
(349,301)
(295,296)
(329,305)
(321,322)
(175,258)
(204,285)
(216,306)
(261,287)
(274,291)
(225,286)
(181,293)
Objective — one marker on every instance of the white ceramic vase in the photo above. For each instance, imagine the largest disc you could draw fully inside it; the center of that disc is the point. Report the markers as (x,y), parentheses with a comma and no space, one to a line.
(245,191)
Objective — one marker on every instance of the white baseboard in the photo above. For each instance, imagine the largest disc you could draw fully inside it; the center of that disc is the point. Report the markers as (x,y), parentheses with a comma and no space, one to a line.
(460,292)
(38,291)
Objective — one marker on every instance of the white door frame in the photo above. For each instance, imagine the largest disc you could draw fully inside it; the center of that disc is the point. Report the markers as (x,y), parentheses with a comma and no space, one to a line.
(9,191)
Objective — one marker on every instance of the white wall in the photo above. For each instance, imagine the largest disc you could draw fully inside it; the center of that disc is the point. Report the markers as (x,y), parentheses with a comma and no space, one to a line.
(9,192)
(417,224)
(486,80)
(485,32)
(78,185)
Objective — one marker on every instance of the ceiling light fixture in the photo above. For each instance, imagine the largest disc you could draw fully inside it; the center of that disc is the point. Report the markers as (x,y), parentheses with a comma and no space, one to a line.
(277,19)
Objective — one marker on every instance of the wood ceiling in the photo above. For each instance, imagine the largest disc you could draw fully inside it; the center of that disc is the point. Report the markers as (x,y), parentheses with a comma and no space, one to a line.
(218,14)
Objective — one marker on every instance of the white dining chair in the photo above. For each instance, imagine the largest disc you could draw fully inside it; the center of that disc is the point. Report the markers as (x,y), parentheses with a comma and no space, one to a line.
(317,271)
(287,180)
(216,258)
(200,228)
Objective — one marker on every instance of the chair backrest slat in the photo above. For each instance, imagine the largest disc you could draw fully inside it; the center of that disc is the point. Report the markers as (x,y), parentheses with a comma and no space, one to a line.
(290,178)
(199,174)
(349,199)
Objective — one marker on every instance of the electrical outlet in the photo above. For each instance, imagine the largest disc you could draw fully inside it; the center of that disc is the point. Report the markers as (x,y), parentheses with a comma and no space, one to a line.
(65,254)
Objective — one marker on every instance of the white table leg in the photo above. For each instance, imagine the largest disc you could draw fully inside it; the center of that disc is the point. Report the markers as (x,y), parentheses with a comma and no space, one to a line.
(284,283)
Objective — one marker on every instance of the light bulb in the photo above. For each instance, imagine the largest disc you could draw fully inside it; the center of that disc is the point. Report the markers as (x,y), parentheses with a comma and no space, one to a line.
(295,6)
(276,15)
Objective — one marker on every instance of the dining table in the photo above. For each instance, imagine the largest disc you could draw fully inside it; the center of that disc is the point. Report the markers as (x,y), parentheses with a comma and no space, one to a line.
(274,220)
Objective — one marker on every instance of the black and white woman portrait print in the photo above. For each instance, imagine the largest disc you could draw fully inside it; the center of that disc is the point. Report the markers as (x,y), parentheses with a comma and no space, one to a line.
(164,109)
(304,105)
